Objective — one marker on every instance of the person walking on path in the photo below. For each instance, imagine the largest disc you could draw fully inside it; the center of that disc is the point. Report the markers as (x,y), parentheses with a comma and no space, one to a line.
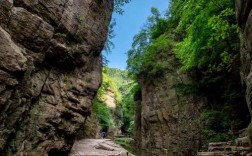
(103,135)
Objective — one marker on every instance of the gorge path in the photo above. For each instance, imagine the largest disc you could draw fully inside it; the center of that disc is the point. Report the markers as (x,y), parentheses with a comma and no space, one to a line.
(98,147)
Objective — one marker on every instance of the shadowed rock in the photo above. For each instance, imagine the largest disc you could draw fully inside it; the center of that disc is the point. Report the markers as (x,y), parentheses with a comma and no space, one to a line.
(50,70)
(244,18)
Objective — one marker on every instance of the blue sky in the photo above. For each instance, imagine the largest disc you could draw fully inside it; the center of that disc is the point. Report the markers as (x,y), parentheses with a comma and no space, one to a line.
(129,24)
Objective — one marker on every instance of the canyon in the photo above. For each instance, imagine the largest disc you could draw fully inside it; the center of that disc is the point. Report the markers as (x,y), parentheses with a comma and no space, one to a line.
(51,70)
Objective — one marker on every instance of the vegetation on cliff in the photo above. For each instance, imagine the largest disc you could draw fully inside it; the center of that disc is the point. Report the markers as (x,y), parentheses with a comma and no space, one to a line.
(100,107)
(203,36)
(118,82)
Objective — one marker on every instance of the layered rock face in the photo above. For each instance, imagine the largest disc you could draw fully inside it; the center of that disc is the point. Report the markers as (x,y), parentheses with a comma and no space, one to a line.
(170,119)
(244,18)
(90,129)
(50,70)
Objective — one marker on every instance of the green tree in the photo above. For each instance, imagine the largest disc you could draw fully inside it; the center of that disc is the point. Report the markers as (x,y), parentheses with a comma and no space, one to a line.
(141,55)
(209,31)
(109,45)
(119,4)
(203,37)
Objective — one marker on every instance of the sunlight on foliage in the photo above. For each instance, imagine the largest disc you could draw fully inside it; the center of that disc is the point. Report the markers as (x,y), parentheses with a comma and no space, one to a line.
(202,37)
(103,113)
(123,88)
(206,27)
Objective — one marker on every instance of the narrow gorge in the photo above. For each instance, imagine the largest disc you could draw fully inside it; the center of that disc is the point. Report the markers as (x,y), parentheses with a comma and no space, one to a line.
(186,90)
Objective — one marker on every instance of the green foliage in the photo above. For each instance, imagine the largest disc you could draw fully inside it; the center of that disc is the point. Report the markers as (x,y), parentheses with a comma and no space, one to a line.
(100,108)
(127,88)
(213,136)
(119,78)
(139,45)
(128,144)
(203,36)
(149,47)
(103,113)
(160,28)
(119,4)
(124,142)
(107,84)
(185,89)
(216,125)
(154,64)
(210,30)
(137,52)
(131,127)
(215,120)
(128,105)
(109,45)
(124,88)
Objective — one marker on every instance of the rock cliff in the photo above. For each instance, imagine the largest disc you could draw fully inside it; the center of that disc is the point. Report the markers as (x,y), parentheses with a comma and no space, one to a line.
(50,70)
(170,119)
(244,18)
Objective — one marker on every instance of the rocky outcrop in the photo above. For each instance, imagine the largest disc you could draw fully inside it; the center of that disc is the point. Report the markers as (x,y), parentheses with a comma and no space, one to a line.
(90,129)
(50,70)
(244,18)
(170,119)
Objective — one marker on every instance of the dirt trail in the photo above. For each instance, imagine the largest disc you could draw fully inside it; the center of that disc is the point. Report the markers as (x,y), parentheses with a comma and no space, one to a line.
(98,147)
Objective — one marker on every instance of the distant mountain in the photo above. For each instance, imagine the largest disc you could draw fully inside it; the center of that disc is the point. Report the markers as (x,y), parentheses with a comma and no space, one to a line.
(120,79)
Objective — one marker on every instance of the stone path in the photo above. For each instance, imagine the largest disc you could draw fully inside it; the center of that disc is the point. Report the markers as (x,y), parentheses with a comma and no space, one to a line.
(239,148)
(98,147)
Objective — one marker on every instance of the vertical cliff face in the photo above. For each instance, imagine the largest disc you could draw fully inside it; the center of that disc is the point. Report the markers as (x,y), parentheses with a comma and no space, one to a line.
(170,119)
(50,70)
(116,113)
(90,129)
(244,18)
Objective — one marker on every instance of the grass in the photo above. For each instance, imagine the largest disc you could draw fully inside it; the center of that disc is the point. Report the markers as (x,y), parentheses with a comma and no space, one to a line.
(128,144)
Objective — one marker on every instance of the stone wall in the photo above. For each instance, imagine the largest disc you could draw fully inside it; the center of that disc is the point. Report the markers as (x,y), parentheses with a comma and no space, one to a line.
(170,119)
(50,70)
(244,18)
